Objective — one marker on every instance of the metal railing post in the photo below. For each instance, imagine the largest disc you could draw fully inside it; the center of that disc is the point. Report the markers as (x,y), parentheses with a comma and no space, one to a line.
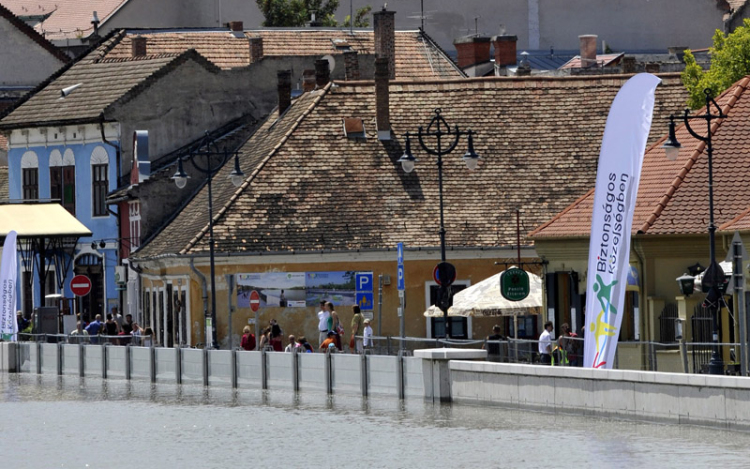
(263,370)
(39,358)
(400,375)
(104,361)
(128,362)
(233,362)
(363,375)
(81,364)
(329,373)
(152,364)
(295,369)
(59,358)
(177,365)
(205,367)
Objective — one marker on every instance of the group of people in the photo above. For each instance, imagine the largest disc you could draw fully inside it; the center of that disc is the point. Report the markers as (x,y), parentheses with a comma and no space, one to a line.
(562,352)
(116,329)
(331,333)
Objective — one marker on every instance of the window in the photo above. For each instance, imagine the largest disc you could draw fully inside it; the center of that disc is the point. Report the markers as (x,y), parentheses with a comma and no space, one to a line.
(99,181)
(30,175)
(62,177)
(99,189)
(135,223)
(30,183)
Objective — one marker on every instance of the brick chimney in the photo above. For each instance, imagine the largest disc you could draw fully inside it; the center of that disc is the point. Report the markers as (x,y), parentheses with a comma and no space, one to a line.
(256,48)
(588,50)
(308,80)
(322,73)
(284,87)
(384,24)
(138,47)
(505,50)
(472,50)
(351,65)
(382,99)
(236,26)
(628,64)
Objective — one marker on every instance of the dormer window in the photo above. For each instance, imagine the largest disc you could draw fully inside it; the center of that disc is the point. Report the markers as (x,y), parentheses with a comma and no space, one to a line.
(354,128)
(341,45)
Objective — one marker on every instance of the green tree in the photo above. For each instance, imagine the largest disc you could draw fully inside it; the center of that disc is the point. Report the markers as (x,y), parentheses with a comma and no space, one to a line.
(296,13)
(360,18)
(730,61)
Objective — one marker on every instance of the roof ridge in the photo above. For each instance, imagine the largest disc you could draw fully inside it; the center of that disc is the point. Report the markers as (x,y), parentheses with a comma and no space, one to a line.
(742,84)
(258,168)
(163,55)
(570,207)
(423,34)
(34,35)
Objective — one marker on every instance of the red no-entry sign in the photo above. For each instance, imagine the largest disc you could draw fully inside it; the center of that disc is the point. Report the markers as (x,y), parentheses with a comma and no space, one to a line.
(80,285)
(254,300)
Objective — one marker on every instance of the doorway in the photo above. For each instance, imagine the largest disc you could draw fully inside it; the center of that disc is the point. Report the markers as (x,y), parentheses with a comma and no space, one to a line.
(92,304)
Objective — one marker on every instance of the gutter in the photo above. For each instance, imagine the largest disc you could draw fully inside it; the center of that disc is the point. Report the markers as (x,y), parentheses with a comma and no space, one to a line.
(638,250)
(116,147)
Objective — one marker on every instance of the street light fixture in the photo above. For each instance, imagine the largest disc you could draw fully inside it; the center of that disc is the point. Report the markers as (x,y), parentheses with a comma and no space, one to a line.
(446,141)
(714,275)
(213,160)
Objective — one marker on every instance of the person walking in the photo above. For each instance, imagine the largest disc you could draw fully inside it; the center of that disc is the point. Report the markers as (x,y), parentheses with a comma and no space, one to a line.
(355,345)
(248,339)
(292,344)
(334,325)
(276,337)
(564,347)
(94,328)
(323,316)
(367,335)
(545,344)
(491,345)
(265,340)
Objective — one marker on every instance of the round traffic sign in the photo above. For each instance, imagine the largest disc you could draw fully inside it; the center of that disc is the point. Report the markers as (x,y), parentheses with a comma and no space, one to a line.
(444,274)
(80,285)
(254,300)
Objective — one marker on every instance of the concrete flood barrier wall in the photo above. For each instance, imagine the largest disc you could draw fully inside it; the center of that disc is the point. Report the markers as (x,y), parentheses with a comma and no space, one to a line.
(334,373)
(716,401)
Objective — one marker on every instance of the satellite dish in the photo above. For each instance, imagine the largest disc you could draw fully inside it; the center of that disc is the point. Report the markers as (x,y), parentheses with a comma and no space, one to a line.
(331,62)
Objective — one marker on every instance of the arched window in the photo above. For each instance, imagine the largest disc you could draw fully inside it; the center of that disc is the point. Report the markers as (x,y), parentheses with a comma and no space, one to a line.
(62,179)
(30,175)
(99,181)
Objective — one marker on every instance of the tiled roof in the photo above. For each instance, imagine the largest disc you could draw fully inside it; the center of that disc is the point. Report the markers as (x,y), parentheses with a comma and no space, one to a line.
(102,81)
(317,189)
(417,56)
(32,33)
(602,60)
(673,195)
(4,192)
(740,223)
(64,19)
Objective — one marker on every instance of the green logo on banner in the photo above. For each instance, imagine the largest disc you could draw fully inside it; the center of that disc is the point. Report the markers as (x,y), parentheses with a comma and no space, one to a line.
(514,284)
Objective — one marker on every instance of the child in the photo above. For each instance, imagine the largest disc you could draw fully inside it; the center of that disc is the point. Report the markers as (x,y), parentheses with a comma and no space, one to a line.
(367,342)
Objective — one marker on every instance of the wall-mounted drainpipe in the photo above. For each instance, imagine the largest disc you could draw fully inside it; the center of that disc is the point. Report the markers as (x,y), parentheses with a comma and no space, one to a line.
(116,147)
(204,288)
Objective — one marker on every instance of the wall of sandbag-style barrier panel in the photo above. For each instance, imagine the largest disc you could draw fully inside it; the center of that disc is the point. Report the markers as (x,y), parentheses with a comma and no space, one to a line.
(332,373)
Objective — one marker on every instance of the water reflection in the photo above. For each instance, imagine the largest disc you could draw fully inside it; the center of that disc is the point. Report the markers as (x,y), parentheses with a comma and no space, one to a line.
(125,424)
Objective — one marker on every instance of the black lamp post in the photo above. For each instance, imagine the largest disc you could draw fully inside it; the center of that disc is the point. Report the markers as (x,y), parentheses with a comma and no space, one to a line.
(212,160)
(714,275)
(446,140)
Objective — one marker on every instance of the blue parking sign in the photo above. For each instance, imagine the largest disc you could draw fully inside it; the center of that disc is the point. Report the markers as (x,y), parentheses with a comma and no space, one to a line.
(363,281)
(400,254)
(401,283)
(365,301)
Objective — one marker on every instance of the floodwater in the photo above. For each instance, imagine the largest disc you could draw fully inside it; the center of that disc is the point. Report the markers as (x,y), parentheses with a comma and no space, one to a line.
(71,422)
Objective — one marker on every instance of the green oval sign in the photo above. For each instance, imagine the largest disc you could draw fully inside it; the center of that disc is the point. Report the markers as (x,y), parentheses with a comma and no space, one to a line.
(514,284)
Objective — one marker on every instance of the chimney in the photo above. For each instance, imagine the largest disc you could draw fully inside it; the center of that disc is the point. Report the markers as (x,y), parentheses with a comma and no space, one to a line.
(382,99)
(588,50)
(284,87)
(308,80)
(653,67)
(236,26)
(138,46)
(505,50)
(628,64)
(384,23)
(351,65)
(256,48)
(322,73)
(472,50)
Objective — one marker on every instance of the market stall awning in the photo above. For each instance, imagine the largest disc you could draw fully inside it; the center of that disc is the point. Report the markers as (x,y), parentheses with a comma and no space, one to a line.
(40,220)
(484,299)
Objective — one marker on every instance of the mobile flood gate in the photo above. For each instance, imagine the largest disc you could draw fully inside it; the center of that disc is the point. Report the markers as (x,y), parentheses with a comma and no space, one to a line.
(331,373)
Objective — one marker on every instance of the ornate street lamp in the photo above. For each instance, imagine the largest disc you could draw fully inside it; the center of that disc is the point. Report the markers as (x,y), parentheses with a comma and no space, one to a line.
(212,160)
(446,139)
(714,275)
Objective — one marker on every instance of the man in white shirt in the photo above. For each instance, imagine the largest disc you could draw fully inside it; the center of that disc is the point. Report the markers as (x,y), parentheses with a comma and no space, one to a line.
(545,344)
(323,316)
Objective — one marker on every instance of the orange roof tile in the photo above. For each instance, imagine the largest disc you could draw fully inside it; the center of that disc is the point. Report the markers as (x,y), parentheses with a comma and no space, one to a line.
(33,34)
(65,19)
(310,188)
(602,60)
(416,55)
(673,195)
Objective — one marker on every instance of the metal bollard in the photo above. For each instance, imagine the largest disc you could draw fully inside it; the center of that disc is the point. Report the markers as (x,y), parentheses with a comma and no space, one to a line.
(363,375)
(178,365)
(263,370)
(295,369)
(59,358)
(152,364)
(39,358)
(104,361)
(329,374)
(233,364)
(400,375)
(81,364)
(205,367)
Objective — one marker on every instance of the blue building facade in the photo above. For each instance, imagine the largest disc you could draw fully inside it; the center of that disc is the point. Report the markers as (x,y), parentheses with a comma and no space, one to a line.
(62,164)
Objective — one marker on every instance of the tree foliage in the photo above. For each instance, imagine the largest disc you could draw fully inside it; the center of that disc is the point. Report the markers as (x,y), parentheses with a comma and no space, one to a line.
(360,18)
(730,61)
(296,13)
